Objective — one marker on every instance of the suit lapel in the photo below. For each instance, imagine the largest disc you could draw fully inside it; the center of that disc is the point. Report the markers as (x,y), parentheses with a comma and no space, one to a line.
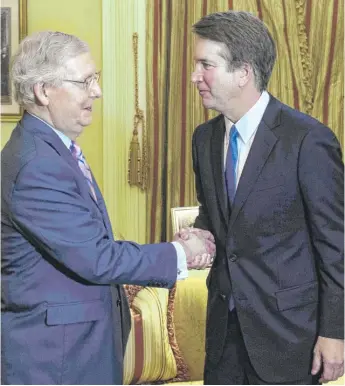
(217,154)
(39,128)
(262,146)
(102,207)
(60,147)
(42,130)
(97,192)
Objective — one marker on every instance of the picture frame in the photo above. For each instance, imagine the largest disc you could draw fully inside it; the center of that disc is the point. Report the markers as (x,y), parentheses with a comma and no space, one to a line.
(183,217)
(13,30)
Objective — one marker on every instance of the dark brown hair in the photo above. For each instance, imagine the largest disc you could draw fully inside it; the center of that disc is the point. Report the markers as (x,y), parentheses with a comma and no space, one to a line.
(246,40)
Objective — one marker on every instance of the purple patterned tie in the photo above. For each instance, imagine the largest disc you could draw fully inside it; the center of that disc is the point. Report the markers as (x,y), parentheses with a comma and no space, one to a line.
(84,167)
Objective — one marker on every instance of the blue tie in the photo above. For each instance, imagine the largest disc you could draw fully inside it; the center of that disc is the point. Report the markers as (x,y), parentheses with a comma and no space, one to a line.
(230,179)
(230,166)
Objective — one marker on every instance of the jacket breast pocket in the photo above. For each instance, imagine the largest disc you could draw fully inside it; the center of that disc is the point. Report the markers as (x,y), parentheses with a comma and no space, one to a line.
(297,296)
(69,313)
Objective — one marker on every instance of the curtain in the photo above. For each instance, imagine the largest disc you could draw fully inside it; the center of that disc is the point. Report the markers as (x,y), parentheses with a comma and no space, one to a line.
(125,204)
(307,76)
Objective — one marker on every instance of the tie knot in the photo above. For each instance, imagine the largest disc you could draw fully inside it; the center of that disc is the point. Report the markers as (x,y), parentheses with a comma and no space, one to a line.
(74,149)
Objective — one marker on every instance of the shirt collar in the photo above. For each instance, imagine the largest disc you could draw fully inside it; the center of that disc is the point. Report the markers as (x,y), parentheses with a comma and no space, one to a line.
(248,124)
(67,141)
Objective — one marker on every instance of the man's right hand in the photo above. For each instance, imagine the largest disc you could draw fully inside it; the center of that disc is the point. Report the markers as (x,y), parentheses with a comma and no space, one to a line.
(198,245)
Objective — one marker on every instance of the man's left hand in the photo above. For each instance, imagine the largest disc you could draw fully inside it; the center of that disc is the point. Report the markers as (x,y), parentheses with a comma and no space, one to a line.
(328,355)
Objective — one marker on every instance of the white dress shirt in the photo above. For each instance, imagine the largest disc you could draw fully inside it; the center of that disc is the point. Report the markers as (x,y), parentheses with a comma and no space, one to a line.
(247,127)
(182,270)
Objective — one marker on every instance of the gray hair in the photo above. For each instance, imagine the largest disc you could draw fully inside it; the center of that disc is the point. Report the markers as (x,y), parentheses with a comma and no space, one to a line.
(247,41)
(41,58)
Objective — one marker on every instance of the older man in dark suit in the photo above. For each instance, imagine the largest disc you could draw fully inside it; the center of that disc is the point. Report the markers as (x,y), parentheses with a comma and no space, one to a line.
(60,322)
(269,180)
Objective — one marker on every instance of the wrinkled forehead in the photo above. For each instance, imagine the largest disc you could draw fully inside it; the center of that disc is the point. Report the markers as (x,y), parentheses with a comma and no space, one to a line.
(82,65)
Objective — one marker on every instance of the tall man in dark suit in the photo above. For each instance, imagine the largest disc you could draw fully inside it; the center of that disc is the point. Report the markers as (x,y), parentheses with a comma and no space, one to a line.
(61,324)
(269,180)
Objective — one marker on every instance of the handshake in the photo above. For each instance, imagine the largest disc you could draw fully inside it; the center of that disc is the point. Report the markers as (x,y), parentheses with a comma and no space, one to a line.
(199,246)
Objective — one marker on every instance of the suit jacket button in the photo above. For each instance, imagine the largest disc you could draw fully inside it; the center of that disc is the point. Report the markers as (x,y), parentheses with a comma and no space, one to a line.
(222,296)
(233,257)
(118,302)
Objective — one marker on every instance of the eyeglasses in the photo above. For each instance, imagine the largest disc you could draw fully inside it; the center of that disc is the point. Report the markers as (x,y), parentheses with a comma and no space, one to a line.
(88,82)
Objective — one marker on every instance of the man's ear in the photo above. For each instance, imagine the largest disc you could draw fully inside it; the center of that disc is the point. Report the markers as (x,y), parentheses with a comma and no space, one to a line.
(246,73)
(40,94)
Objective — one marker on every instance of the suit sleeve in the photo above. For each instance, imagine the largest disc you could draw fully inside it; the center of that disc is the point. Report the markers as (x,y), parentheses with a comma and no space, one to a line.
(322,183)
(202,220)
(47,209)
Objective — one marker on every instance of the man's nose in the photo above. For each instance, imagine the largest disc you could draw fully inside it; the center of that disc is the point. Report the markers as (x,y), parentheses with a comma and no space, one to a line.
(95,91)
(196,77)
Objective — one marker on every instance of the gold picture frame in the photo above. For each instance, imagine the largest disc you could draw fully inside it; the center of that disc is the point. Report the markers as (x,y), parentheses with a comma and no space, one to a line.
(13,30)
(183,217)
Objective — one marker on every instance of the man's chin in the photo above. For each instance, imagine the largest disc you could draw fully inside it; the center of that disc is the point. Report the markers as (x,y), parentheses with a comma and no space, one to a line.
(85,122)
(207,104)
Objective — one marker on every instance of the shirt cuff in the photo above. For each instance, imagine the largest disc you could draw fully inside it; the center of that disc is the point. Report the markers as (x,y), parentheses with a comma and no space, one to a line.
(182,270)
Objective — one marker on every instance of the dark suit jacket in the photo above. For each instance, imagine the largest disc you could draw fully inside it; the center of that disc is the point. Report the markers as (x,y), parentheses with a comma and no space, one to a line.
(60,324)
(280,248)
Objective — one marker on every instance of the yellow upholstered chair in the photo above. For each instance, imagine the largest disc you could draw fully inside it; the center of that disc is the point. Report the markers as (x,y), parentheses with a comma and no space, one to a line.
(168,326)
(190,305)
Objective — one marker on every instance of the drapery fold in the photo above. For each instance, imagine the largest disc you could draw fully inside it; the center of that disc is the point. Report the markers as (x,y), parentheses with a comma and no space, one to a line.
(125,204)
(308,75)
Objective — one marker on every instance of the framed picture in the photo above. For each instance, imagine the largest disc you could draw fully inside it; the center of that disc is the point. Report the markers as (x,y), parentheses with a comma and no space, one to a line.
(13,29)
(183,217)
